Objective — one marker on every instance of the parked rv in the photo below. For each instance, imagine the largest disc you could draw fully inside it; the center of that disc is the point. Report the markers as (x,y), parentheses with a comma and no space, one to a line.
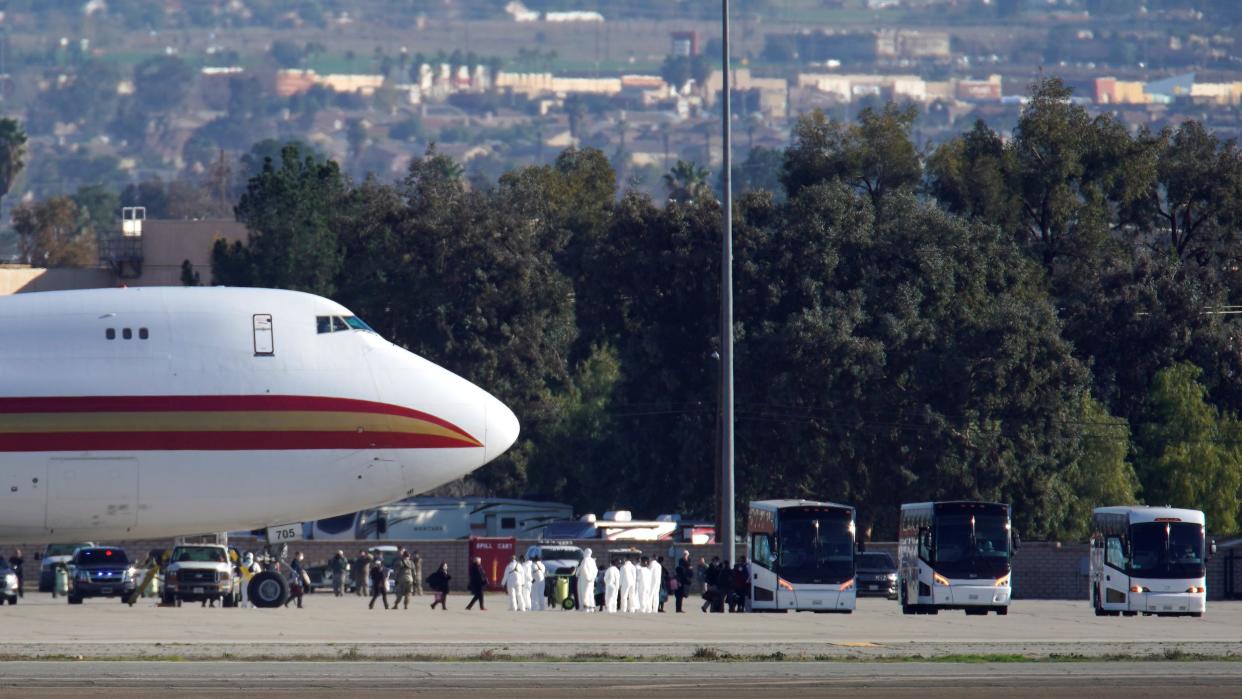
(442,518)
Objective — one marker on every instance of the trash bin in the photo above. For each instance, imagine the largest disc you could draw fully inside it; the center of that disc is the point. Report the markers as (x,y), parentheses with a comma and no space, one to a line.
(560,592)
(153,587)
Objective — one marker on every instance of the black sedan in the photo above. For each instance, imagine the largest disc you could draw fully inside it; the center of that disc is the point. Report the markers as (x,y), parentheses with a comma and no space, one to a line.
(876,575)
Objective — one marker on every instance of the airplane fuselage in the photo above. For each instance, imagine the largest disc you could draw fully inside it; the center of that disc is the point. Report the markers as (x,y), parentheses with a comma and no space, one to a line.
(134,413)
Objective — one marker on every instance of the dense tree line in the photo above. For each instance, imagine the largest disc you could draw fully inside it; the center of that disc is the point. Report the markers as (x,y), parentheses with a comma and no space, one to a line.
(1042,319)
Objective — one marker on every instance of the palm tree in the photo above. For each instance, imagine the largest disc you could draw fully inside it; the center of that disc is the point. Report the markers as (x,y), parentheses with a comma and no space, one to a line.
(686,182)
(575,109)
(12,153)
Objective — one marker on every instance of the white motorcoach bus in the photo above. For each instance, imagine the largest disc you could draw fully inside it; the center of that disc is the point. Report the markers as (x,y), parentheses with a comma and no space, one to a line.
(801,556)
(1148,559)
(955,555)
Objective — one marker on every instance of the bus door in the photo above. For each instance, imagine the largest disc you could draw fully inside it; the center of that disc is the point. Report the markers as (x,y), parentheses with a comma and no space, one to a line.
(764,583)
(1114,584)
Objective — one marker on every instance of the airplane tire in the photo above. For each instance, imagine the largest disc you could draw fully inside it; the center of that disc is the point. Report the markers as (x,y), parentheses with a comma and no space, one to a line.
(268,589)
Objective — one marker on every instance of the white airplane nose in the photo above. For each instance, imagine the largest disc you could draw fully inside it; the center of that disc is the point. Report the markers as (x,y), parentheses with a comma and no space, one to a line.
(502,429)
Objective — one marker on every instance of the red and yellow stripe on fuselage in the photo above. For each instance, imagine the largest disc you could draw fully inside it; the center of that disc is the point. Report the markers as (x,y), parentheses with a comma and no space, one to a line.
(219,423)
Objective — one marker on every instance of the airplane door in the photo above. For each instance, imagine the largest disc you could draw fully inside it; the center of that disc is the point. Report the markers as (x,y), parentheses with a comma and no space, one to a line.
(23,498)
(92,493)
(264,341)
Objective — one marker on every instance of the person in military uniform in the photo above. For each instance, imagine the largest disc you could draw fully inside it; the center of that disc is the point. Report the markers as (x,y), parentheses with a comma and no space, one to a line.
(339,566)
(362,566)
(405,580)
(418,574)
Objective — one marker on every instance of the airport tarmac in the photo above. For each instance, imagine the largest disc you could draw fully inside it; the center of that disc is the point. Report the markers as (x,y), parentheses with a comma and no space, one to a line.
(330,628)
(553,680)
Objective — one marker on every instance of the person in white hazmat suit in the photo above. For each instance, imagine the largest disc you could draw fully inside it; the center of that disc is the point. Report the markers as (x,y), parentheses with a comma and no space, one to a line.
(644,586)
(653,604)
(512,581)
(587,570)
(539,576)
(250,568)
(528,580)
(629,580)
(612,586)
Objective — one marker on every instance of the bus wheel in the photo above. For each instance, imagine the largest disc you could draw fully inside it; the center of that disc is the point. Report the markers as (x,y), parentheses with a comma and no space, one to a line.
(1197,615)
(1002,611)
(906,608)
(1095,602)
(1129,613)
(975,612)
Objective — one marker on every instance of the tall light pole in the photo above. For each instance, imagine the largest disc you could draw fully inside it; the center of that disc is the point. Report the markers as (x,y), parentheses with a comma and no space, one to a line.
(727,508)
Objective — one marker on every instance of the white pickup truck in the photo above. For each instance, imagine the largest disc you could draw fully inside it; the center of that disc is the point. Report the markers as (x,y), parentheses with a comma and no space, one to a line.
(197,572)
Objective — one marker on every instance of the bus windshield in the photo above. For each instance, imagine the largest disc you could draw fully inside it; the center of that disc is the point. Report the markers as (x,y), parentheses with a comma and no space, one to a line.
(972,544)
(815,546)
(1167,550)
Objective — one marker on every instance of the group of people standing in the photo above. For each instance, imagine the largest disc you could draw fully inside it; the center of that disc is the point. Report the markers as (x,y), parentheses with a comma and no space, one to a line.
(628,584)
(371,572)
(724,586)
(640,587)
(524,580)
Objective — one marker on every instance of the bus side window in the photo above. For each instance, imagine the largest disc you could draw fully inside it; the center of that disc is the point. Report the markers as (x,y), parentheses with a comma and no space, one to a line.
(925,543)
(1114,553)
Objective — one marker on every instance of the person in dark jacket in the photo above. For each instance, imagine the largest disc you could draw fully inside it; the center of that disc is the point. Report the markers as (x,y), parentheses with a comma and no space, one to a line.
(724,587)
(478,583)
(684,575)
(740,588)
(662,594)
(379,581)
(439,584)
(297,579)
(710,589)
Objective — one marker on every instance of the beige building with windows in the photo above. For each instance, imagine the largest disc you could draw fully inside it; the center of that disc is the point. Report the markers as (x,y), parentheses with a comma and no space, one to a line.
(143,253)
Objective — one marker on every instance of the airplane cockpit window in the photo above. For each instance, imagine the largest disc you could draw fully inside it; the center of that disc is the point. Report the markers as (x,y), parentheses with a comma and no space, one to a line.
(358,324)
(333,324)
